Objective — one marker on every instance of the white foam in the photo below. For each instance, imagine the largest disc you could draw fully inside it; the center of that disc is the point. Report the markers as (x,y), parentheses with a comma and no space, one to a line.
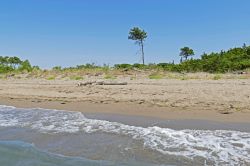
(220,146)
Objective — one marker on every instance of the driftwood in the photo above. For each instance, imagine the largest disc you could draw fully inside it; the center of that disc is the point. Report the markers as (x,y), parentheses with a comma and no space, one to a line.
(100,83)
(114,83)
(86,83)
(239,72)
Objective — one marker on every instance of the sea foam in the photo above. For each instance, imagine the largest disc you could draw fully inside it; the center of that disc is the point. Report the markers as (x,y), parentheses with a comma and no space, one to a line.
(220,147)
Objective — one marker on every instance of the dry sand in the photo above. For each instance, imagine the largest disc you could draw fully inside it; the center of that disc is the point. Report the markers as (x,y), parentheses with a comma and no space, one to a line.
(217,100)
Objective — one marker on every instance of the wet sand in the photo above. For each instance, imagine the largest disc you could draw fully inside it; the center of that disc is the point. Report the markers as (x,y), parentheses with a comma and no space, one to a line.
(181,124)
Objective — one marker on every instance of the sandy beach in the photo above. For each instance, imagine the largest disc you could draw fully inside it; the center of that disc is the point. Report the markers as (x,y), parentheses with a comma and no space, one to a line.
(124,83)
(216,100)
(145,122)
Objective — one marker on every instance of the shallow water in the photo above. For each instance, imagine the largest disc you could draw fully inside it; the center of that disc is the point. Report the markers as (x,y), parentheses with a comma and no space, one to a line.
(24,154)
(101,142)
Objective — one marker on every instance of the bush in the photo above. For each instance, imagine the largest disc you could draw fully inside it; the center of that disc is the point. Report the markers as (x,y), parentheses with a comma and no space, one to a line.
(57,68)
(155,76)
(87,66)
(109,77)
(225,61)
(76,78)
(138,66)
(123,66)
(51,78)
(217,77)
(25,66)
(6,69)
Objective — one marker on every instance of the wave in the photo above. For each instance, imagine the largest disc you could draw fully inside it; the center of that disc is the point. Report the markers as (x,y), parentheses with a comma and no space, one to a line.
(218,146)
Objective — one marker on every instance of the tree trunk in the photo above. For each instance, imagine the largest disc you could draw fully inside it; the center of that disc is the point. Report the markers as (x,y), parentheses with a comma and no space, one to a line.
(142,51)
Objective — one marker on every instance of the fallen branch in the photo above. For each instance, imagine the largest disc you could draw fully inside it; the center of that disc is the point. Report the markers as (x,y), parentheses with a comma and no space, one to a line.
(114,83)
(100,83)
(86,83)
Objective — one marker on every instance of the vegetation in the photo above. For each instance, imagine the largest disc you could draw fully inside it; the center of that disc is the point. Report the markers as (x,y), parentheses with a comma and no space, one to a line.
(186,52)
(9,64)
(234,59)
(139,36)
(76,78)
(230,61)
(51,78)
(109,77)
(217,77)
(155,76)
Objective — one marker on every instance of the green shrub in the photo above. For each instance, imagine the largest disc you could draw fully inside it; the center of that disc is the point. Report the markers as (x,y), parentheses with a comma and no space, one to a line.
(217,77)
(123,66)
(76,78)
(87,66)
(155,76)
(51,78)
(138,66)
(25,66)
(5,69)
(109,77)
(57,68)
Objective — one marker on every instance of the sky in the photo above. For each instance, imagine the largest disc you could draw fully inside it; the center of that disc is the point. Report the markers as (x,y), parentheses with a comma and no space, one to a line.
(73,32)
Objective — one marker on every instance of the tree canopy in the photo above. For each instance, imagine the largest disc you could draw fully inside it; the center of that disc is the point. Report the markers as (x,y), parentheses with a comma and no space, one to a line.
(8,64)
(186,52)
(139,36)
(224,61)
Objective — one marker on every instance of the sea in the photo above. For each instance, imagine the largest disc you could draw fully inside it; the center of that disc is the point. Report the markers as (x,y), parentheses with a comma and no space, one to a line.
(43,137)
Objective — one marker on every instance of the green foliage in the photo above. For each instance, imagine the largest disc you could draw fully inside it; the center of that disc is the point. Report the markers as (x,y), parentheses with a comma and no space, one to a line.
(139,66)
(186,52)
(9,64)
(51,78)
(192,65)
(170,67)
(122,66)
(14,61)
(25,66)
(109,77)
(36,68)
(87,66)
(57,68)
(235,59)
(5,69)
(139,36)
(155,76)
(76,78)
(135,66)
(217,77)
(225,61)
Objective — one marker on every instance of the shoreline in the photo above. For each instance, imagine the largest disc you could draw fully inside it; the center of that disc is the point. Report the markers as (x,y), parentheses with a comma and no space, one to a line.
(124,109)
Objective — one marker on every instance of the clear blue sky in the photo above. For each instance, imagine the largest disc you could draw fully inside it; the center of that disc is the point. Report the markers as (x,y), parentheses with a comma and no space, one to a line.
(71,32)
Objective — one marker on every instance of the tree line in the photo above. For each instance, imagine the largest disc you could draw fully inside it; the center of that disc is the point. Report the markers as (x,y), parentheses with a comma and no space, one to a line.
(8,64)
(234,59)
(224,61)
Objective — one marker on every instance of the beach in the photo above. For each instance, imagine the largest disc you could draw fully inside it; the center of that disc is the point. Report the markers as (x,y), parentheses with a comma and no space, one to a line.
(124,83)
(52,137)
(143,122)
(226,100)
